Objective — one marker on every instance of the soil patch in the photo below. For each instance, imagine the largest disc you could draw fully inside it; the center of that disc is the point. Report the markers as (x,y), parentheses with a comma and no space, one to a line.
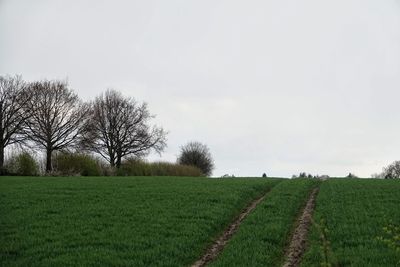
(298,242)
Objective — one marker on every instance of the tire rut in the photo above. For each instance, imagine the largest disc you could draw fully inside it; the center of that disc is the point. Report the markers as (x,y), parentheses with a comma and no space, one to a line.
(298,241)
(218,245)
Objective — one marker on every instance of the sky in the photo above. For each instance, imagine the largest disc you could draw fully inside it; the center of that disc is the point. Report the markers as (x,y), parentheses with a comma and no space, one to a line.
(275,87)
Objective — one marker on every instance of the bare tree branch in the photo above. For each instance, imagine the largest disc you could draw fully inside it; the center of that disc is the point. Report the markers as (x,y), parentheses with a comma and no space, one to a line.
(119,127)
(13,97)
(58,117)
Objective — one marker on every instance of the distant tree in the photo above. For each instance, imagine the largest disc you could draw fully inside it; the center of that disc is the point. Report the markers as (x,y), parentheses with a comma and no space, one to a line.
(351,175)
(13,97)
(303,175)
(57,119)
(392,171)
(119,126)
(264,175)
(197,154)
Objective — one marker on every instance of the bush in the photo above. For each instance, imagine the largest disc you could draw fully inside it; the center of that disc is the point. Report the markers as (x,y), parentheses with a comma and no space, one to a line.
(76,164)
(197,154)
(171,169)
(107,170)
(134,167)
(23,164)
(137,167)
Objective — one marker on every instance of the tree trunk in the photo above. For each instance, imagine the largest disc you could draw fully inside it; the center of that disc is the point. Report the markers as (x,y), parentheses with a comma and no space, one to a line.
(112,162)
(1,136)
(48,160)
(118,164)
(1,155)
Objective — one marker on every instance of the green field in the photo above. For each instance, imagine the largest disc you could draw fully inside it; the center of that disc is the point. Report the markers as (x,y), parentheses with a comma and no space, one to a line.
(355,212)
(116,221)
(170,221)
(262,238)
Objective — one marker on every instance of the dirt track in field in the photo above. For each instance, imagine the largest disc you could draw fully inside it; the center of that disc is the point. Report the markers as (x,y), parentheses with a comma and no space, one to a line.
(298,242)
(220,243)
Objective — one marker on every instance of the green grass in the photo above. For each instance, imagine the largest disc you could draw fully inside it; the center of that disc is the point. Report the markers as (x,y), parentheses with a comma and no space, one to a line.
(264,234)
(355,211)
(118,221)
(170,221)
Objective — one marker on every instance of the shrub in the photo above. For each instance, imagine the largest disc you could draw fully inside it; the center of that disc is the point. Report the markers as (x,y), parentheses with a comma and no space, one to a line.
(22,164)
(137,167)
(171,169)
(197,154)
(107,170)
(134,167)
(76,164)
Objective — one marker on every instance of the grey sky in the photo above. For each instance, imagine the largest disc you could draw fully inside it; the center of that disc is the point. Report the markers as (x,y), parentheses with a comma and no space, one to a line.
(270,86)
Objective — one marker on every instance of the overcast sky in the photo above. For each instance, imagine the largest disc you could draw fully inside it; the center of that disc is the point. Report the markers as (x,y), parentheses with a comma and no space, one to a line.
(270,86)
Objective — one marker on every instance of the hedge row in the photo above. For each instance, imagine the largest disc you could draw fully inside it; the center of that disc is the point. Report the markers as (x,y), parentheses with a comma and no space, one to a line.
(75,164)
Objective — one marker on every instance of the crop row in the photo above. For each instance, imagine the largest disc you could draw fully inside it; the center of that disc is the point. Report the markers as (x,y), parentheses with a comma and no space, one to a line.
(350,217)
(263,236)
(116,221)
(156,221)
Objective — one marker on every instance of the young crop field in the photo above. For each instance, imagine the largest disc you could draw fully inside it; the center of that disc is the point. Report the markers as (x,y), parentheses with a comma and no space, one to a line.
(148,221)
(262,238)
(174,221)
(354,213)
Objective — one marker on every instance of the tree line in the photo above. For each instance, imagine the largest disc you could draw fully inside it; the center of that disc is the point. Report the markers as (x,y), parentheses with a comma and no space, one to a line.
(49,115)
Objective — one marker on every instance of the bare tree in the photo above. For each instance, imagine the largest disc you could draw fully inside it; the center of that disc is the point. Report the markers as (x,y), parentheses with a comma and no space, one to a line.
(119,126)
(392,171)
(58,117)
(13,97)
(197,154)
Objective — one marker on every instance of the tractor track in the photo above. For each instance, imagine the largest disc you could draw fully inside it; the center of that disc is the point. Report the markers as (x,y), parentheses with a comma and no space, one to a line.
(298,243)
(215,249)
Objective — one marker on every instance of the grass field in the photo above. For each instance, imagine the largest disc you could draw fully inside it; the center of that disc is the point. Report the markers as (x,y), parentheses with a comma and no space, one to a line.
(355,211)
(262,238)
(170,221)
(147,221)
